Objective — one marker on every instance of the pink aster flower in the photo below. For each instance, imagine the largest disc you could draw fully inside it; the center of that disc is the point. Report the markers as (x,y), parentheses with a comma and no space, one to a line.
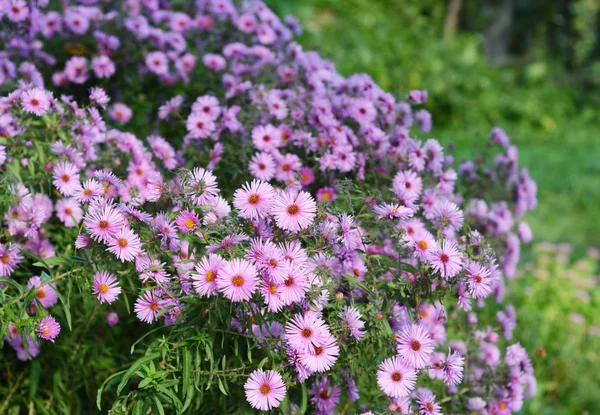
(262,166)
(207,105)
(203,186)
(326,194)
(66,178)
(294,211)
(187,221)
(321,357)
(89,189)
(423,243)
(48,328)
(147,306)
(69,212)
(36,101)
(352,322)
(10,256)
(45,293)
(237,280)
(266,138)
(120,112)
(396,379)
(415,346)
(295,285)
(254,199)
(480,283)
(16,10)
(264,390)
(427,404)
(448,215)
(453,368)
(446,259)
(103,221)
(157,62)
(98,96)
(304,332)
(105,286)
(103,66)
(200,125)
(391,210)
(207,271)
(125,245)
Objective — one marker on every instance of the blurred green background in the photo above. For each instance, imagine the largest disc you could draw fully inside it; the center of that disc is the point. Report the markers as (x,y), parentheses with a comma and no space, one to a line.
(533,68)
(529,66)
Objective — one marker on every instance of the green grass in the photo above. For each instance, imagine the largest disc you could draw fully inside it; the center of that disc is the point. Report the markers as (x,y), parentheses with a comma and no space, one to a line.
(399,44)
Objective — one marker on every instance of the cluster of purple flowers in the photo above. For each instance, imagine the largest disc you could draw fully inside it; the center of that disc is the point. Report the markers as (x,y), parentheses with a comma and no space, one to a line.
(321,272)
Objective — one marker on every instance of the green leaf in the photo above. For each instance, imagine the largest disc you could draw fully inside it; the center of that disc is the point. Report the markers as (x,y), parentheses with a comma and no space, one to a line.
(159,406)
(65,303)
(222,387)
(187,371)
(99,394)
(188,399)
(304,403)
(52,261)
(138,408)
(145,382)
(134,367)
(353,280)
(171,396)
(34,377)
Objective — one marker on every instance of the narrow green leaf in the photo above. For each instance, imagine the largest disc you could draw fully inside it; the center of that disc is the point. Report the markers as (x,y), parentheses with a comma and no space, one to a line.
(138,408)
(221,387)
(159,406)
(145,382)
(304,403)
(187,371)
(99,394)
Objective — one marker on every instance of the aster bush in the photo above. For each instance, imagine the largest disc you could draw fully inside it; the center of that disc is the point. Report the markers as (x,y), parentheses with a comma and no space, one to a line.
(256,232)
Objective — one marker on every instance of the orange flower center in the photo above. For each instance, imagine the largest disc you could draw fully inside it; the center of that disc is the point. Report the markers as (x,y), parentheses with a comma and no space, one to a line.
(66,177)
(5,259)
(415,345)
(422,245)
(254,198)
(103,224)
(306,332)
(123,243)
(154,306)
(272,288)
(41,293)
(190,223)
(68,211)
(210,276)
(265,389)
(396,377)
(293,209)
(238,281)
(103,288)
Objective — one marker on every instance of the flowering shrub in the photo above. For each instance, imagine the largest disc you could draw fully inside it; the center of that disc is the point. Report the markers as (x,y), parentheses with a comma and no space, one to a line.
(278,232)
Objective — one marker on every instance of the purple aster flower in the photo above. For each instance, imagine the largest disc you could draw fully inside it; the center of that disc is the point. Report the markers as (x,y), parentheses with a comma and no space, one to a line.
(415,346)
(48,328)
(446,259)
